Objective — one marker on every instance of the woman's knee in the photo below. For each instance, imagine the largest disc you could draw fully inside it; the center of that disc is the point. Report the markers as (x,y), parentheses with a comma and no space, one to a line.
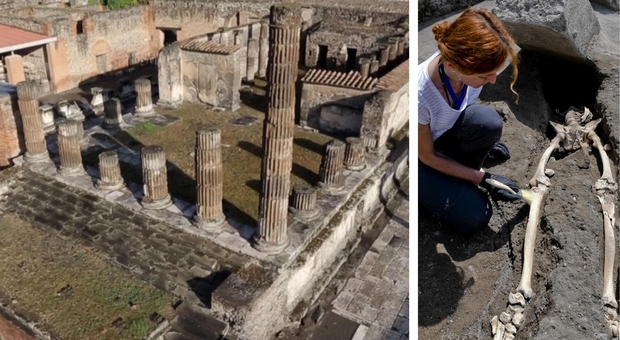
(471,214)
(486,120)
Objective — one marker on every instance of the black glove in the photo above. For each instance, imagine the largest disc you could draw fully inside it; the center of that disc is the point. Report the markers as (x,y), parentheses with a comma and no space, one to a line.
(500,194)
(499,152)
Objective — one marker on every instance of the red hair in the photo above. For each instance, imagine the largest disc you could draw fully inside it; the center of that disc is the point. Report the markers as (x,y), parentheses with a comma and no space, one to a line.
(476,43)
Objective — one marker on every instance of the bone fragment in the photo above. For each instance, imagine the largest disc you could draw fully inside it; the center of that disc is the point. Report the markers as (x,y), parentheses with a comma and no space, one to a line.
(510,329)
(538,194)
(500,332)
(509,336)
(539,175)
(549,172)
(513,309)
(494,324)
(517,319)
(505,318)
(613,327)
(596,142)
(610,314)
(516,298)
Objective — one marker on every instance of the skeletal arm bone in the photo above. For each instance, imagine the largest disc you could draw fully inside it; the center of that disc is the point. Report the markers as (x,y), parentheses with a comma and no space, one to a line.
(609,298)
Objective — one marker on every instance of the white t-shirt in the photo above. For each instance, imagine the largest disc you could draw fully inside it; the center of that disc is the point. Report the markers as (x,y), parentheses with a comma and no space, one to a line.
(433,109)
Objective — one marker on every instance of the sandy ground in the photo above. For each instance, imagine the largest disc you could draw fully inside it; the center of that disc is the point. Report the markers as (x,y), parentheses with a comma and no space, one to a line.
(465,281)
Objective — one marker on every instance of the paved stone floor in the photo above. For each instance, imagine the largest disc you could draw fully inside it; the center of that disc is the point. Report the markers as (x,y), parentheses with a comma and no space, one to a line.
(377,296)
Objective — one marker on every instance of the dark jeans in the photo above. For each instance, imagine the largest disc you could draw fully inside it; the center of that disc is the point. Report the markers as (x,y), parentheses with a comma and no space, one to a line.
(458,202)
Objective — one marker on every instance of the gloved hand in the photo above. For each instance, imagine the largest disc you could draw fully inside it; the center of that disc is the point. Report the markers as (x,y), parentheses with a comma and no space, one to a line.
(499,152)
(500,194)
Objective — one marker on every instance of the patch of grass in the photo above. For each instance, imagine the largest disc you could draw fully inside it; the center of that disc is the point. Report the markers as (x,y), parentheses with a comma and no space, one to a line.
(71,290)
(146,127)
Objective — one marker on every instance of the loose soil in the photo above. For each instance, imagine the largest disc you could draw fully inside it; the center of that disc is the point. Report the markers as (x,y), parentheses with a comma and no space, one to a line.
(465,280)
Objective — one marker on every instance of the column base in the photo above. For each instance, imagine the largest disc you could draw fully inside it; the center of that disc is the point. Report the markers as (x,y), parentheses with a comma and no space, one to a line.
(98,110)
(330,189)
(355,167)
(169,105)
(215,224)
(38,158)
(304,215)
(157,204)
(145,111)
(270,248)
(103,186)
(72,171)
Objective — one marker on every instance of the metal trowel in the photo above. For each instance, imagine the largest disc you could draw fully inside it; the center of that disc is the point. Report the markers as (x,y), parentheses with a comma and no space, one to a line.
(524,195)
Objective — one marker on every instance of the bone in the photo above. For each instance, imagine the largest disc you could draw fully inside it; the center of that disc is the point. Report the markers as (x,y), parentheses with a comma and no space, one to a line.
(494,324)
(505,318)
(539,175)
(516,298)
(538,195)
(500,332)
(509,336)
(510,329)
(517,319)
(514,309)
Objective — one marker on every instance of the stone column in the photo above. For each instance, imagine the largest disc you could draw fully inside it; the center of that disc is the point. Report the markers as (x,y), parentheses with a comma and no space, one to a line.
(113,114)
(97,101)
(354,154)
(252,64)
(330,172)
(263,54)
(374,67)
(69,149)
(393,47)
(304,203)
(144,101)
(63,108)
(364,67)
(209,179)
(109,172)
(36,147)
(237,37)
(385,53)
(401,46)
(155,177)
(278,130)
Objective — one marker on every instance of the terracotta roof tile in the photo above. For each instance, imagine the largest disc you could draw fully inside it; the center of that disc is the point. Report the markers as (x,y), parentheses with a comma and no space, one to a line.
(208,46)
(353,79)
(396,78)
(12,38)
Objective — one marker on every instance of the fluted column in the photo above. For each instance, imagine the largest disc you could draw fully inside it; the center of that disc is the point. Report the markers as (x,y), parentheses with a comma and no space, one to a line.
(113,114)
(97,102)
(263,52)
(385,53)
(303,203)
(393,48)
(69,149)
(209,179)
(354,154)
(144,101)
(330,172)
(47,118)
(155,177)
(36,147)
(364,67)
(109,172)
(278,128)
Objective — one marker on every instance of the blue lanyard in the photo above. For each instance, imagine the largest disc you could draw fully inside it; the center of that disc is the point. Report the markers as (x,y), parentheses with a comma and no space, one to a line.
(456,102)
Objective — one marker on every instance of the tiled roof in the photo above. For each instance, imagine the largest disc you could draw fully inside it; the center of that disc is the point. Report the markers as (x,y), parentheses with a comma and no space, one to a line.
(208,46)
(353,79)
(396,78)
(12,39)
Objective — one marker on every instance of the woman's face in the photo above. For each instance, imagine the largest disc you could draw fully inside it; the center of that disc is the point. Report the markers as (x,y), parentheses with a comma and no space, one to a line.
(477,80)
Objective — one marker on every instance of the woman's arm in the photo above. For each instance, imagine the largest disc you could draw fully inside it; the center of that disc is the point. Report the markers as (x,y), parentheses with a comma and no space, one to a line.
(431,157)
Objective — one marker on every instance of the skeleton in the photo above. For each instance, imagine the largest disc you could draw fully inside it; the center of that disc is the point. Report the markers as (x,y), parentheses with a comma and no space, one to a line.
(571,136)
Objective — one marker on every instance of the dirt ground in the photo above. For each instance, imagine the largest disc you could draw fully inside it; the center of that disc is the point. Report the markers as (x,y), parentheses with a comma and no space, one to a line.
(465,281)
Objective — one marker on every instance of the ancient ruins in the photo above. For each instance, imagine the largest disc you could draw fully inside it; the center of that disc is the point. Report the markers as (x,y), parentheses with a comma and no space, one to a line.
(85,75)
(546,268)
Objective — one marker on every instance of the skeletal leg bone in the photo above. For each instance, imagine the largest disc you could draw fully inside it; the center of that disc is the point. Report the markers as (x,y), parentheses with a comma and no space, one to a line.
(538,195)
(539,175)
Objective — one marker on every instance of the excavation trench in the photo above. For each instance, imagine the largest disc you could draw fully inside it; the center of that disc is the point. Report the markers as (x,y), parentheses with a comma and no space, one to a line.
(480,271)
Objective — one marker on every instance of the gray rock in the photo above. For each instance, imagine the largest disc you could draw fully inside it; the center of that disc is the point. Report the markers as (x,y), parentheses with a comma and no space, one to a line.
(563,28)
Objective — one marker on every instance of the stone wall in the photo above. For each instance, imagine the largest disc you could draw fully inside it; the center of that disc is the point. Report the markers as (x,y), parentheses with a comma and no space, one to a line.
(11,132)
(364,39)
(349,16)
(332,109)
(7,4)
(388,110)
(104,45)
(191,19)
(33,25)
(212,78)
